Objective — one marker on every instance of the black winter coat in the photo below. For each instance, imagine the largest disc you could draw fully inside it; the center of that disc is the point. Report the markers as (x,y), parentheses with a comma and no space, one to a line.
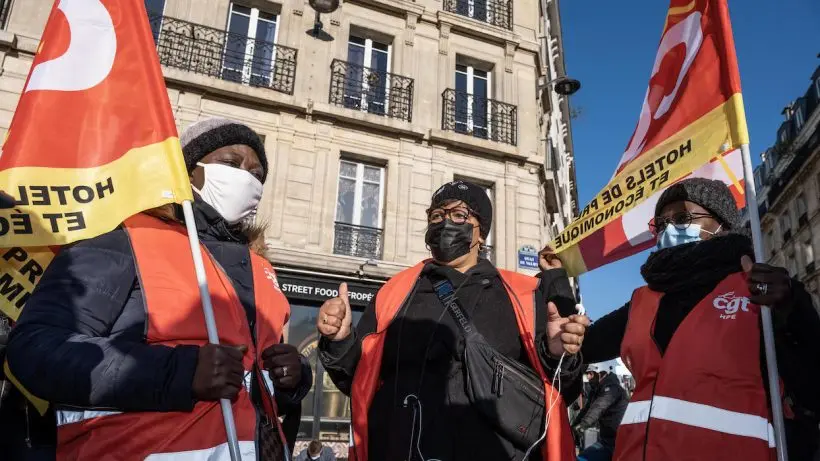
(797,340)
(422,356)
(605,408)
(80,339)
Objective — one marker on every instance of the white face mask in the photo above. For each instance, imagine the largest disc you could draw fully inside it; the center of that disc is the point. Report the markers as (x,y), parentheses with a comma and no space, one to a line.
(232,192)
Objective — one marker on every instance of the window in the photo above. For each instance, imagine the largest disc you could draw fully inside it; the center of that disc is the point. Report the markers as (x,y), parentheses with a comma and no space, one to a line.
(472,94)
(155,10)
(798,118)
(476,9)
(785,222)
(786,227)
(801,209)
(367,75)
(250,53)
(808,253)
(817,86)
(359,210)
(332,419)
(791,266)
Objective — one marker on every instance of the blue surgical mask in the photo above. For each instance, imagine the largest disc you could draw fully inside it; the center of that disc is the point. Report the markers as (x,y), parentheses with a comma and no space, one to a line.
(673,236)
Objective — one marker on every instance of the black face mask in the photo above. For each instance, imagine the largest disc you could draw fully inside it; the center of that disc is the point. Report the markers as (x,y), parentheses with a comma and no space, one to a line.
(449,241)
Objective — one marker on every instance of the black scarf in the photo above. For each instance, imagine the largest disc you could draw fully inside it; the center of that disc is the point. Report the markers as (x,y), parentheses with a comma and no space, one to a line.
(696,265)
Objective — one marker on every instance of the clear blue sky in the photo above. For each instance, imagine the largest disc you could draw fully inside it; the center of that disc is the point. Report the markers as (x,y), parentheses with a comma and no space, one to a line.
(610,47)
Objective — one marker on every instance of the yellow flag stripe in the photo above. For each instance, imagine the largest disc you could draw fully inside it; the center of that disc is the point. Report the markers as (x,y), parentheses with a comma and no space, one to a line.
(677,156)
(63,205)
(38,403)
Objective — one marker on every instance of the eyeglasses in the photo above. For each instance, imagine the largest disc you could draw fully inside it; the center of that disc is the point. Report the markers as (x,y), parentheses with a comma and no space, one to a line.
(680,220)
(456,215)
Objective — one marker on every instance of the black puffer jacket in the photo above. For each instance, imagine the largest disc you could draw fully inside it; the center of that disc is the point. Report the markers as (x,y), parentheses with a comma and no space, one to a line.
(80,339)
(422,354)
(606,407)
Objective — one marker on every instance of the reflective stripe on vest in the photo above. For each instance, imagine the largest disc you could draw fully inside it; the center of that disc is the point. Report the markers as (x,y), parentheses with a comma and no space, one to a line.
(70,416)
(165,269)
(699,415)
(558,444)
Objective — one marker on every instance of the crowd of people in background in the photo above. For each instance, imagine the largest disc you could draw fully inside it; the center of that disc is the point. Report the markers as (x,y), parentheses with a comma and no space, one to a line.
(454,360)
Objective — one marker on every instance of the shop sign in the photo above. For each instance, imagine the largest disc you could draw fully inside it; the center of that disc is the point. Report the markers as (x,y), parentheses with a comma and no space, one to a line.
(360,294)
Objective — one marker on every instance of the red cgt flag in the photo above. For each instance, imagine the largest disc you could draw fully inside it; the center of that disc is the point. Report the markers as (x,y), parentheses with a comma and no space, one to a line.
(92,142)
(692,124)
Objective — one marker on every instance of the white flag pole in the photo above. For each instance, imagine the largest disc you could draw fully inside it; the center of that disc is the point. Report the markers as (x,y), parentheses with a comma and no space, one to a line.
(765,311)
(210,321)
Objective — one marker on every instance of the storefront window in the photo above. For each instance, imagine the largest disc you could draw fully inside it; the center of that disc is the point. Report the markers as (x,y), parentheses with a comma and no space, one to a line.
(325,410)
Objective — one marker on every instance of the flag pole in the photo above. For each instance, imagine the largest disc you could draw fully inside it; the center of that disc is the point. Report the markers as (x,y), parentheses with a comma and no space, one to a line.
(210,321)
(765,311)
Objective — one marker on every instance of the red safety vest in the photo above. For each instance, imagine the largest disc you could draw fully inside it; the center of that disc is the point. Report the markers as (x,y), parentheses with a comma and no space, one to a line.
(704,398)
(559,443)
(174,317)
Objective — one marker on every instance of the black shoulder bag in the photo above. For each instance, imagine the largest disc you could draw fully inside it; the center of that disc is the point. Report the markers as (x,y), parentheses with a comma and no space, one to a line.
(507,393)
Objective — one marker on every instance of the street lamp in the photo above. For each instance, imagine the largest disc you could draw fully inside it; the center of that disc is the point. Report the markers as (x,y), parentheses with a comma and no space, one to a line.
(564,86)
(321,6)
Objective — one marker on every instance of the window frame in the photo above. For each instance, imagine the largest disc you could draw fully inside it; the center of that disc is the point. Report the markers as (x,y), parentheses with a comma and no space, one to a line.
(791,266)
(470,76)
(808,250)
(801,205)
(357,191)
(250,41)
(799,118)
(367,62)
(157,33)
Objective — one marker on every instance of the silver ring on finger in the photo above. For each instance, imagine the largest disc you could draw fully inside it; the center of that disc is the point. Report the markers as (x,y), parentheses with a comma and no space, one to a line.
(762,288)
(284,371)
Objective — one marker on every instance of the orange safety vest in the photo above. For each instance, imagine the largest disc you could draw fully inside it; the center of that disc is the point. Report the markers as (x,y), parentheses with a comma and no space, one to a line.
(559,443)
(704,397)
(174,317)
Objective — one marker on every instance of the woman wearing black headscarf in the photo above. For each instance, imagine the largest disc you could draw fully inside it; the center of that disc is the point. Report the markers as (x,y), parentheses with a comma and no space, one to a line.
(693,340)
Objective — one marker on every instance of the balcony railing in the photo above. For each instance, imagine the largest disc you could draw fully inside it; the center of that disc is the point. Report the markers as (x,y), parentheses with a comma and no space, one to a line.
(224,55)
(479,117)
(371,90)
(5,8)
(358,241)
(495,12)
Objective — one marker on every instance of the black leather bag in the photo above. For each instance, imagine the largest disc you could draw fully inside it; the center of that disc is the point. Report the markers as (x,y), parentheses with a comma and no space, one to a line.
(507,393)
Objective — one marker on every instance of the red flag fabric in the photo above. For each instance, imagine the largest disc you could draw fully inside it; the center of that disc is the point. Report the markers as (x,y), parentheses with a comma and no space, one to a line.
(92,142)
(692,123)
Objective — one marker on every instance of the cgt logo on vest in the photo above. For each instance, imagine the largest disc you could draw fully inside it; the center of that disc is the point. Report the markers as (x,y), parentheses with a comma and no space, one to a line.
(731,305)
(270,275)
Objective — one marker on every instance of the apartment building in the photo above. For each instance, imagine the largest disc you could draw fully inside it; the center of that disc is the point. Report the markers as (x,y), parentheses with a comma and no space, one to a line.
(788,182)
(363,119)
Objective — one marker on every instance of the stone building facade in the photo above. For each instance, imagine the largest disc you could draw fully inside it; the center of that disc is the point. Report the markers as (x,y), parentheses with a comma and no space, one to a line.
(362,121)
(788,181)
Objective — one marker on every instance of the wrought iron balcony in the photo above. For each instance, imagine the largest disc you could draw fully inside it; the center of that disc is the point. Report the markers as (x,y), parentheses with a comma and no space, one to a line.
(495,12)
(371,90)
(5,8)
(359,241)
(479,117)
(224,55)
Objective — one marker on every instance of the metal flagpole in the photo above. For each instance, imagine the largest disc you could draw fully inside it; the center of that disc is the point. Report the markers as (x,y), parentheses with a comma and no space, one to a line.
(210,322)
(765,311)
